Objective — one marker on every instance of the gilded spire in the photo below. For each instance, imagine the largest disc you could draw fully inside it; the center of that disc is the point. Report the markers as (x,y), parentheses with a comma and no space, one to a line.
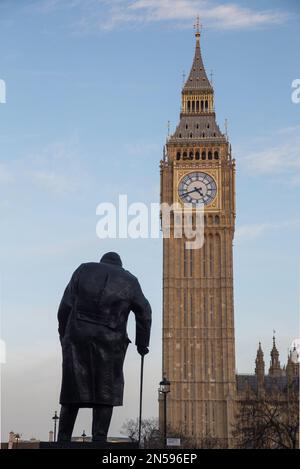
(197,79)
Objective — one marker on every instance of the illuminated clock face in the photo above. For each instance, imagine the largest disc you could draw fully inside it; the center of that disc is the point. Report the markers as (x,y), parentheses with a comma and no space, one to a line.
(197,188)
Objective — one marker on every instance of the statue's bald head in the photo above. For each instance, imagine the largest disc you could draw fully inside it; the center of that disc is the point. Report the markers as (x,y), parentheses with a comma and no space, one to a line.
(111,258)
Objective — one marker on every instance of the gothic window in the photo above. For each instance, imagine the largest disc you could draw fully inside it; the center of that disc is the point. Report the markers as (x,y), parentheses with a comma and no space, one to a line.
(218,256)
(193,105)
(179,135)
(206,104)
(204,256)
(211,255)
(189,105)
(216,155)
(213,420)
(185,309)
(217,220)
(203,156)
(191,135)
(184,361)
(184,155)
(201,105)
(191,154)
(197,105)
(197,155)
(178,155)
(210,155)
(203,135)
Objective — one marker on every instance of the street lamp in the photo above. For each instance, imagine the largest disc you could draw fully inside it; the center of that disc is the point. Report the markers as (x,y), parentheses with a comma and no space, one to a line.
(17,437)
(83,436)
(55,418)
(164,388)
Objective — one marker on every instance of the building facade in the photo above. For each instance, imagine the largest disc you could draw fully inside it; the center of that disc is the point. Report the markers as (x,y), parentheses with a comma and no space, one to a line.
(198,311)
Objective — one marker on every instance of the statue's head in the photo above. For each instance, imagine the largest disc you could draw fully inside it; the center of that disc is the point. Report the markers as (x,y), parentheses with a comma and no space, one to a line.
(111,258)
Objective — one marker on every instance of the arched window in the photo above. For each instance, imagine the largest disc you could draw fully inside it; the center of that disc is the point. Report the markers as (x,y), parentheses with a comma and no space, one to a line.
(217,220)
(178,155)
(184,155)
(197,126)
(197,105)
(193,105)
(191,155)
(203,135)
(179,135)
(197,155)
(216,155)
(210,155)
(206,104)
(186,126)
(189,105)
(191,135)
(203,155)
(201,105)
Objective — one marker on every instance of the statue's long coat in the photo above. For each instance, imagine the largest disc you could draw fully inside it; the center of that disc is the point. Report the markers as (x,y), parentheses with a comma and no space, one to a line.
(92,319)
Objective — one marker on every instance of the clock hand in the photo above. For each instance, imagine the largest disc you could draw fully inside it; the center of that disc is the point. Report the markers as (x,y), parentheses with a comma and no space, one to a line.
(199,190)
(194,190)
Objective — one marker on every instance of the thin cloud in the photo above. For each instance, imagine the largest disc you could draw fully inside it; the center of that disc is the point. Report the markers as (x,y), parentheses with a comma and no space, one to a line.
(257,230)
(97,15)
(5,175)
(56,168)
(283,158)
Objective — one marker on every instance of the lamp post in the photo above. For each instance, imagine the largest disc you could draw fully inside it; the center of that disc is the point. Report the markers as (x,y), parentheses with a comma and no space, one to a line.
(17,437)
(164,388)
(55,418)
(83,436)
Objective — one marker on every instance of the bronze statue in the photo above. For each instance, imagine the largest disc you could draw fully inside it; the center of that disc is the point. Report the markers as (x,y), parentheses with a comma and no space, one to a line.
(92,320)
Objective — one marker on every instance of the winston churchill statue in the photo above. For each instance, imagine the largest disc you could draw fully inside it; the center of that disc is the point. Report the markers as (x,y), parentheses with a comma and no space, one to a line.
(92,319)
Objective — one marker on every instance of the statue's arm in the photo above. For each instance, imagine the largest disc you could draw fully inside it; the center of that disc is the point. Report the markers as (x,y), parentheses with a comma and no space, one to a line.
(143,317)
(64,310)
(66,303)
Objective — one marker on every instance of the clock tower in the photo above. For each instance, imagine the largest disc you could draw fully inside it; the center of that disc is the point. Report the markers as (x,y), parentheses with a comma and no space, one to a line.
(198,313)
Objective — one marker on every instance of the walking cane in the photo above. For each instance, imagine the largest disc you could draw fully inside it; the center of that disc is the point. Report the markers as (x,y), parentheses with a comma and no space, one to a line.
(141,397)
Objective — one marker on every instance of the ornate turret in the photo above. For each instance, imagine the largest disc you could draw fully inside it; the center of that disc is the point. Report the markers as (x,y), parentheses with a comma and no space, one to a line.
(275,369)
(260,368)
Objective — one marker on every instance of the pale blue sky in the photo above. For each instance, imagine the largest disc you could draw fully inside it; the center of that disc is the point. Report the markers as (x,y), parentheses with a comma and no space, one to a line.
(91,85)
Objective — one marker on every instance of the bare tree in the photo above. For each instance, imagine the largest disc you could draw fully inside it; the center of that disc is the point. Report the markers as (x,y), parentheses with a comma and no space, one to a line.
(150,434)
(152,437)
(270,421)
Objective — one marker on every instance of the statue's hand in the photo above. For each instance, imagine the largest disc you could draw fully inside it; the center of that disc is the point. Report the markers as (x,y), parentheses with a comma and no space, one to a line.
(142,350)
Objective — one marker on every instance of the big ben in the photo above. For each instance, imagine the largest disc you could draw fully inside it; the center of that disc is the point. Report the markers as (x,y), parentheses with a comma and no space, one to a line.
(198,309)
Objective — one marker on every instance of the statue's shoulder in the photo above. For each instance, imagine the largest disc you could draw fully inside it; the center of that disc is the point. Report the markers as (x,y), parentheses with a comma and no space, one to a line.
(130,275)
(87,266)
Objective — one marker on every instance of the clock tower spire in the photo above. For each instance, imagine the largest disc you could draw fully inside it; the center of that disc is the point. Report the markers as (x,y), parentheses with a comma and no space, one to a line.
(198,316)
